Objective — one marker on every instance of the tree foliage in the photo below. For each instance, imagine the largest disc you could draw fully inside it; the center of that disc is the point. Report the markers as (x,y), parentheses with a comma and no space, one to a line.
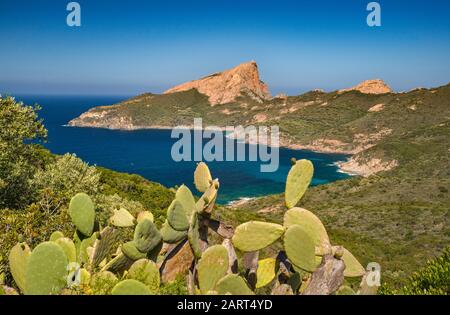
(20,131)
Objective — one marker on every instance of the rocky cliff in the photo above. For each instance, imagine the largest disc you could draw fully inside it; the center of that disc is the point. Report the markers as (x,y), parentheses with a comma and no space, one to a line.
(224,87)
(376,86)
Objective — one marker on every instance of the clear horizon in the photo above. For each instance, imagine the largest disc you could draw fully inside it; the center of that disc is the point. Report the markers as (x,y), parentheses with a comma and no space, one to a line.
(141,46)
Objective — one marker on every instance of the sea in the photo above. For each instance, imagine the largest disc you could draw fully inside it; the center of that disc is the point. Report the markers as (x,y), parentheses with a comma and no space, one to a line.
(148,152)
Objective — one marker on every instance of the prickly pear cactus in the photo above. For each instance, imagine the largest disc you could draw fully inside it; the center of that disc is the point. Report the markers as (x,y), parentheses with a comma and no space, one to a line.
(311,224)
(185,197)
(266,272)
(82,213)
(122,218)
(212,267)
(146,236)
(145,215)
(352,266)
(130,287)
(147,272)
(202,177)
(234,285)
(83,251)
(68,246)
(194,236)
(118,264)
(170,235)
(129,249)
(176,216)
(46,270)
(207,201)
(18,259)
(255,235)
(55,235)
(298,180)
(300,249)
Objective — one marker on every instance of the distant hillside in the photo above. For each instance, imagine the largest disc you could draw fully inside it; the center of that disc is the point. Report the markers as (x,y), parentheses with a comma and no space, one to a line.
(365,120)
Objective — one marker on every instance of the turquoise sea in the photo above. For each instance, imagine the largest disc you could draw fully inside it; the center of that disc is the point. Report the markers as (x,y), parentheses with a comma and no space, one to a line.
(148,152)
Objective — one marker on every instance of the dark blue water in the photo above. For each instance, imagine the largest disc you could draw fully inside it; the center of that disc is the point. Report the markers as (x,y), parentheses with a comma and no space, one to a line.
(148,152)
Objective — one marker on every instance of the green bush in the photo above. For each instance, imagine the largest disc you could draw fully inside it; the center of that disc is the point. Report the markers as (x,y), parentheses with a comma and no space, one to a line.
(433,279)
(64,178)
(19,159)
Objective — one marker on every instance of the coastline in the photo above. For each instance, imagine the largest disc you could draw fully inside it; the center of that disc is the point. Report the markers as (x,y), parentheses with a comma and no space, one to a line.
(343,166)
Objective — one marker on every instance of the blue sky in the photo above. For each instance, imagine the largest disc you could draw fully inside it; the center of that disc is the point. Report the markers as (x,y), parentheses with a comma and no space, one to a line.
(129,47)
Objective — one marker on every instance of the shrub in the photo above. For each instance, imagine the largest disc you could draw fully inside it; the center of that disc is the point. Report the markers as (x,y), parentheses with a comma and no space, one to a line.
(19,158)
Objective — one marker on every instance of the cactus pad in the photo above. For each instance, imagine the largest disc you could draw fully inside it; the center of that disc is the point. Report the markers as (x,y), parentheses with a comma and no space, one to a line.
(202,177)
(207,201)
(352,266)
(55,235)
(212,267)
(266,272)
(311,224)
(234,285)
(82,213)
(68,246)
(147,272)
(185,197)
(170,235)
(46,270)
(300,248)
(122,218)
(176,216)
(18,259)
(146,236)
(130,287)
(256,235)
(298,180)
(145,215)
(129,249)
(194,236)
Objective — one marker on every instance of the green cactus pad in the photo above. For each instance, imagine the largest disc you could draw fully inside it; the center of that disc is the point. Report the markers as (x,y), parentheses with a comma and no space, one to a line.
(170,235)
(122,218)
(145,215)
(83,254)
(212,267)
(46,270)
(55,235)
(298,180)
(103,282)
(352,266)
(129,249)
(185,197)
(147,272)
(68,246)
(234,285)
(310,223)
(176,216)
(300,249)
(118,264)
(207,201)
(255,235)
(130,287)
(202,177)
(146,236)
(18,259)
(345,290)
(82,213)
(194,236)
(266,272)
